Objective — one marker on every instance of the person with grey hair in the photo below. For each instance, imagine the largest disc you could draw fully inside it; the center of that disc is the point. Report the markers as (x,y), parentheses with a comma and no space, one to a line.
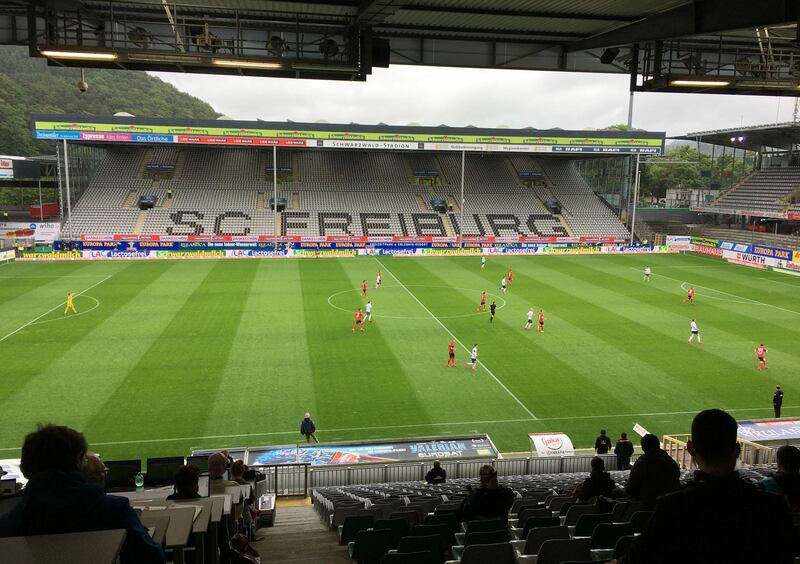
(308,429)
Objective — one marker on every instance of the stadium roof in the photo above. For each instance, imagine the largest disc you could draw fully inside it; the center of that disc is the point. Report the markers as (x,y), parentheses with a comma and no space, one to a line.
(712,46)
(784,136)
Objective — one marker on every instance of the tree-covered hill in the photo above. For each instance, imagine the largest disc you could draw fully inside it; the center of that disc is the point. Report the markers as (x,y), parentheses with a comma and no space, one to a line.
(29,85)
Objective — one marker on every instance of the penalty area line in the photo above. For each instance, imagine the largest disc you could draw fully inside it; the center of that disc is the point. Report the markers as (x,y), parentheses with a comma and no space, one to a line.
(456,339)
(35,319)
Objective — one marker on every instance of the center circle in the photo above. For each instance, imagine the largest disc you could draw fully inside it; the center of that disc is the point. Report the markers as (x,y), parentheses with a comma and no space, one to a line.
(331,300)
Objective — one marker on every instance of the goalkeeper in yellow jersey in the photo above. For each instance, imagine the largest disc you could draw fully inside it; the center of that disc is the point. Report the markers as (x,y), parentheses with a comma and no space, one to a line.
(70,305)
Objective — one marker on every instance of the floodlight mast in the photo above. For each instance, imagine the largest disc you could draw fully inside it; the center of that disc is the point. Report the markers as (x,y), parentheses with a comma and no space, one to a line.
(275,194)
(635,195)
(461,221)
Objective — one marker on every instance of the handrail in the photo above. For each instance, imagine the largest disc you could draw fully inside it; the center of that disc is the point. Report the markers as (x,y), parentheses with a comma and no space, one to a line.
(750,452)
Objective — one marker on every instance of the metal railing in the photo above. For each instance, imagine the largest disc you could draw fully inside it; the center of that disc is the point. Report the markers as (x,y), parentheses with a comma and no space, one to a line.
(287,480)
(751,453)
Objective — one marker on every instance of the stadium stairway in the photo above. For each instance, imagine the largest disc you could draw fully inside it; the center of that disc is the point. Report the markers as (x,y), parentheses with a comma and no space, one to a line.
(421,203)
(137,227)
(298,537)
(565,226)
(131,199)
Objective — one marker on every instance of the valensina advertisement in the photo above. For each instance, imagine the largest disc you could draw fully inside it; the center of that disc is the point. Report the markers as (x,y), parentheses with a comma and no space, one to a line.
(377,452)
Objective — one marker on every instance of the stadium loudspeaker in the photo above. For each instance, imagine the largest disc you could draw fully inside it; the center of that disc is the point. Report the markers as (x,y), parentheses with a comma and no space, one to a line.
(609,55)
(380,52)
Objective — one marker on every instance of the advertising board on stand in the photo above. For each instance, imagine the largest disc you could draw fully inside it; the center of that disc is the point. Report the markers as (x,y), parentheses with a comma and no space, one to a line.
(47,232)
(551,444)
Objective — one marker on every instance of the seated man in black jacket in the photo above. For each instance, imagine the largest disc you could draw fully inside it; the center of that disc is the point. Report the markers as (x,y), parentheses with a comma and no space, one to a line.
(437,474)
(57,500)
(490,500)
(718,517)
(598,483)
(654,474)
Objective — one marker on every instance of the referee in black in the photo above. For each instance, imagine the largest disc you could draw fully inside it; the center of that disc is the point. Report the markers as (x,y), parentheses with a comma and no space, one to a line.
(492,309)
(777,401)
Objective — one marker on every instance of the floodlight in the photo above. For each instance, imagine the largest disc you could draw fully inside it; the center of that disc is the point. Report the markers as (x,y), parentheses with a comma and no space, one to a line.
(700,83)
(245,64)
(80,55)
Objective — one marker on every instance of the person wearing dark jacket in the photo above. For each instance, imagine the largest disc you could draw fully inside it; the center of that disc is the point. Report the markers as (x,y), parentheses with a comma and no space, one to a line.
(308,428)
(717,518)
(786,481)
(187,483)
(603,444)
(437,474)
(624,451)
(56,500)
(490,500)
(654,474)
(598,483)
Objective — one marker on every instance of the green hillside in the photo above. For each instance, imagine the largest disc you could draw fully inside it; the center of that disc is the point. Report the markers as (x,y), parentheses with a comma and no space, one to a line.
(28,85)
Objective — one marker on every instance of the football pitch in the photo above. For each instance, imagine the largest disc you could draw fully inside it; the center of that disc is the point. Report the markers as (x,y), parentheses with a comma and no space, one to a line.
(165,356)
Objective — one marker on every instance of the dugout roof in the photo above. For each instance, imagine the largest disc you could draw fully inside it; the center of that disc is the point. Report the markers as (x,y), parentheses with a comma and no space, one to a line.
(733,46)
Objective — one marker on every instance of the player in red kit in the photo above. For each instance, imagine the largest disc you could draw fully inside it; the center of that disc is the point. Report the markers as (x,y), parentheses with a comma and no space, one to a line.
(541,321)
(510,277)
(451,354)
(689,296)
(359,315)
(761,352)
(482,306)
(363,288)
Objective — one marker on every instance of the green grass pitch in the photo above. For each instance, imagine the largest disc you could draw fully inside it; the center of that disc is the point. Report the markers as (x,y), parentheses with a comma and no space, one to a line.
(169,355)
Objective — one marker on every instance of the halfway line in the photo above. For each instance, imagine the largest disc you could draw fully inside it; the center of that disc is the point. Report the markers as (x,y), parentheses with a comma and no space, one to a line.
(496,379)
(34,320)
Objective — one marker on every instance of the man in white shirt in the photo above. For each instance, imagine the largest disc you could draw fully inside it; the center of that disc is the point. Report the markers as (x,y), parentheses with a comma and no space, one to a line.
(474,357)
(529,324)
(647,273)
(483,263)
(695,333)
(379,280)
(503,284)
(368,310)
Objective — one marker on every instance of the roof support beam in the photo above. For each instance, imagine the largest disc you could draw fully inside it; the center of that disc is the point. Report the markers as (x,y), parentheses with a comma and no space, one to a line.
(375,12)
(520,13)
(701,17)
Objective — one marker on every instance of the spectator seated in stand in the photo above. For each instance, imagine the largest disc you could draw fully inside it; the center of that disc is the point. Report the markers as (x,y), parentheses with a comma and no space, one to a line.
(57,500)
(94,471)
(599,482)
(718,517)
(187,483)
(653,474)
(489,500)
(437,474)
(217,465)
(786,481)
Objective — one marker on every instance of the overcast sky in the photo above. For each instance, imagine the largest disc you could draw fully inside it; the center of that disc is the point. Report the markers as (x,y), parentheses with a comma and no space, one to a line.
(486,98)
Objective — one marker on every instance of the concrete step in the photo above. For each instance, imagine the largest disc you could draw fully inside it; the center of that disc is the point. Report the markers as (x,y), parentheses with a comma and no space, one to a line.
(299,537)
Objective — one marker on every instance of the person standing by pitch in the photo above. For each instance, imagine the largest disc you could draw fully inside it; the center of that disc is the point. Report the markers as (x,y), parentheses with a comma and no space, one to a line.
(308,428)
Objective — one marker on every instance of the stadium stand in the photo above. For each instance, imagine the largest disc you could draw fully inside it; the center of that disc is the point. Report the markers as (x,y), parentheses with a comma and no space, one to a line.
(765,190)
(228,192)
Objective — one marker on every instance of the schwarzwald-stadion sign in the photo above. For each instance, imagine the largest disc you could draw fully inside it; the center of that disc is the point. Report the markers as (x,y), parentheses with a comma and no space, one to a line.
(334,136)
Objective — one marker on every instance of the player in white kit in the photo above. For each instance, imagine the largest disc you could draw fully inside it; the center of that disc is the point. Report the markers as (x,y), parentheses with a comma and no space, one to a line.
(503,284)
(647,273)
(379,280)
(483,263)
(368,310)
(695,333)
(473,359)
(529,324)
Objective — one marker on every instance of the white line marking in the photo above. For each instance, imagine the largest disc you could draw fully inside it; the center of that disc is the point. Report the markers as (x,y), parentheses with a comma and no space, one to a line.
(65,317)
(34,320)
(54,276)
(496,379)
(733,295)
(334,306)
(414,425)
